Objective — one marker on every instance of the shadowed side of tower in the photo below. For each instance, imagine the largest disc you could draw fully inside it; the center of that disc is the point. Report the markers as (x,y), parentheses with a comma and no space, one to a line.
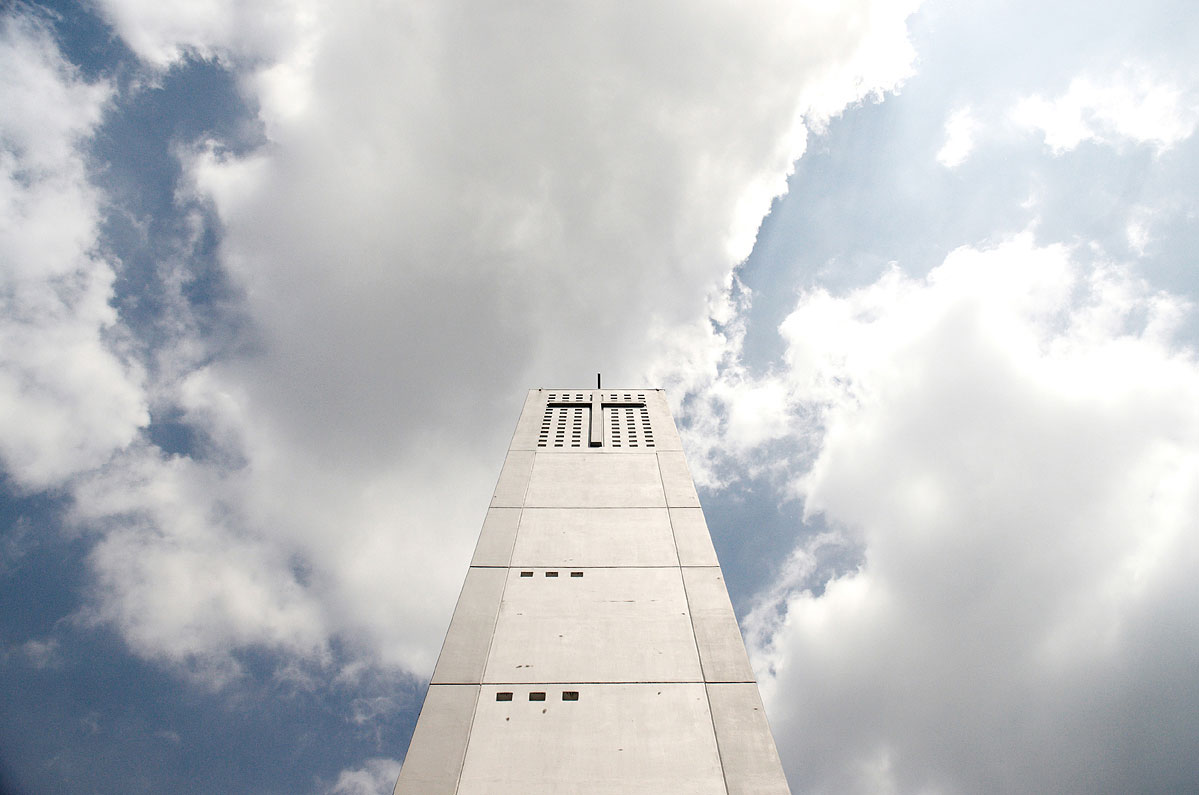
(593,648)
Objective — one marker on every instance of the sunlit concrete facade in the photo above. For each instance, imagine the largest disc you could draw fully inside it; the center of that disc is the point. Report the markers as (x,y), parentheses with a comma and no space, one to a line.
(593,648)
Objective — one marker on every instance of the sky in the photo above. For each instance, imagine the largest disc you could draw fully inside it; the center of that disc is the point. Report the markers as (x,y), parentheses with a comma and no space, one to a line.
(919,279)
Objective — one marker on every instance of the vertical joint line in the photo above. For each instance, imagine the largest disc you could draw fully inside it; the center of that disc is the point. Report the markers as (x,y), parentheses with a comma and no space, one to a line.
(470,731)
(491,640)
(694,638)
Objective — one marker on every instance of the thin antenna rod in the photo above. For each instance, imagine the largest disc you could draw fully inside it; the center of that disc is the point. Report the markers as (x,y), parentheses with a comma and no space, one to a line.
(597,381)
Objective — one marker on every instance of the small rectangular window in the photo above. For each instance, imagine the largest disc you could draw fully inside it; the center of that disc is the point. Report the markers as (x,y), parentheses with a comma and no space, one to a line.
(551,574)
(503,696)
(526,574)
(570,695)
(576,574)
(536,696)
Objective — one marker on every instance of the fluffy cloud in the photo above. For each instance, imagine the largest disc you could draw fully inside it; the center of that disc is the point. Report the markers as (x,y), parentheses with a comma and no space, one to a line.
(1012,444)
(198,559)
(376,777)
(182,580)
(69,396)
(959,138)
(454,203)
(1135,105)
(164,33)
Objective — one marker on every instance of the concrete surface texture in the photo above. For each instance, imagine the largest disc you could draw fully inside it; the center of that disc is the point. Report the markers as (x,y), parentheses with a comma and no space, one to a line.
(593,648)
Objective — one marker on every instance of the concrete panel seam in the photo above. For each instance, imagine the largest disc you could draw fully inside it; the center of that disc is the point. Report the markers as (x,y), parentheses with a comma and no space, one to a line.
(524,496)
(495,622)
(691,618)
(720,660)
(666,502)
(674,537)
(471,730)
(463,595)
(707,699)
(741,742)
(681,477)
(517,531)
(496,492)
(486,657)
(520,517)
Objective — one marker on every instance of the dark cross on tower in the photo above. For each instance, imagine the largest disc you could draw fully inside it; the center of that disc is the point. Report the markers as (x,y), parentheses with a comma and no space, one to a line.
(596,401)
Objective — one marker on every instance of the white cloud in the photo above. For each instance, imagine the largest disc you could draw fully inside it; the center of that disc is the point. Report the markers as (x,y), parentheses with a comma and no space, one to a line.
(68,397)
(1134,105)
(960,128)
(857,50)
(42,653)
(1013,444)
(1139,229)
(182,575)
(455,203)
(165,33)
(199,559)
(375,777)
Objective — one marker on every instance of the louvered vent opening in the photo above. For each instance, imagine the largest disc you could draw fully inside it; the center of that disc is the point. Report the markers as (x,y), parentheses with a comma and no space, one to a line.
(568,426)
(563,426)
(628,426)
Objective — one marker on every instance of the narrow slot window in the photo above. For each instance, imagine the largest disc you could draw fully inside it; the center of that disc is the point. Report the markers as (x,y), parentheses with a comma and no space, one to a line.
(503,696)
(537,696)
(570,695)
(526,574)
(576,574)
(551,574)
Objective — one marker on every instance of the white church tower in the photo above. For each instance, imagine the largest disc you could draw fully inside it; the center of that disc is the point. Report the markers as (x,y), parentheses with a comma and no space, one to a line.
(593,648)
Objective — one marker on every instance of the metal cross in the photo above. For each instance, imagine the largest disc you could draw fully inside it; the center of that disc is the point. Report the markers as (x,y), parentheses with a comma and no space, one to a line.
(597,401)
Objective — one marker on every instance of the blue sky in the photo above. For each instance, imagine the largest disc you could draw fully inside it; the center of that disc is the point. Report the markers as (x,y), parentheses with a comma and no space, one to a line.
(918,277)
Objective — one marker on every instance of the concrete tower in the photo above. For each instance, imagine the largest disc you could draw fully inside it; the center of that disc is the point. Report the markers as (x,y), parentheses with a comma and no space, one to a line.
(593,648)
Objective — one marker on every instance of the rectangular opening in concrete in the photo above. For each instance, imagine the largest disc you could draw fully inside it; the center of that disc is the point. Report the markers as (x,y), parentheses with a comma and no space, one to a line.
(537,696)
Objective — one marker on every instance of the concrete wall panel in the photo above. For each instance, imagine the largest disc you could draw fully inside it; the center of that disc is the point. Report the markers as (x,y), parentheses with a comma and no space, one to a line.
(497,537)
(721,649)
(676,480)
(595,480)
(595,537)
(747,752)
(634,739)
(666,437)
(514,480)
(609,625)
(464,653)
(692,537)
(527,427)
(434,759)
